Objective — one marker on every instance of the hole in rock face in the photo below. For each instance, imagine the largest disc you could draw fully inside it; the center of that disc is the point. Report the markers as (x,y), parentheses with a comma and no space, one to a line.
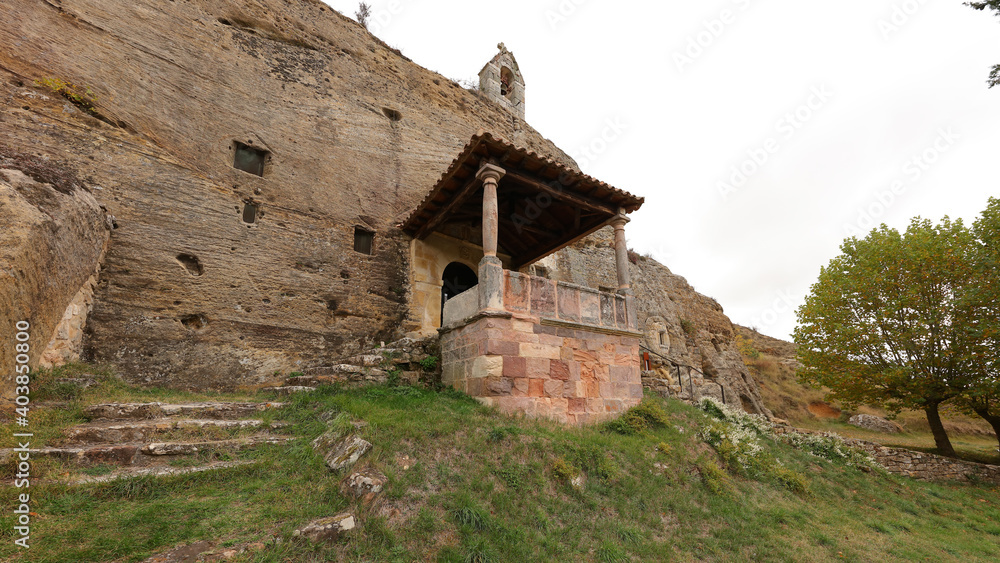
(393,115)
(331,304)
(249,212)
(194,322)
(191,264)
(345,274)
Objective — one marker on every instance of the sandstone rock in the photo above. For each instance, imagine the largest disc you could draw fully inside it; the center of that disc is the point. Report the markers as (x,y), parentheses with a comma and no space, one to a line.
(340,451)
(51,242)
(326,530)
(875,423)
(365,485)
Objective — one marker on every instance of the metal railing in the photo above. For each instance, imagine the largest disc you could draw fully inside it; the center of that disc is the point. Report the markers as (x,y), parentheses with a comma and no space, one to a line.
(678,365)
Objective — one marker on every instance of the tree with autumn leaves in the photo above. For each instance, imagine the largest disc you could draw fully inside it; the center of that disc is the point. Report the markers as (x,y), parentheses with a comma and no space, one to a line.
(910,321)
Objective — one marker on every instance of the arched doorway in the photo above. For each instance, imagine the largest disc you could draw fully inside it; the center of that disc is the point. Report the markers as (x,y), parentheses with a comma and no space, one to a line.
(457,279)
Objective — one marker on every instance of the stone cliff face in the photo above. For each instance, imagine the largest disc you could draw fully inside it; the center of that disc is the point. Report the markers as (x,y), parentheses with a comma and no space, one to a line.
(688,337)
(257,156)
(216,276)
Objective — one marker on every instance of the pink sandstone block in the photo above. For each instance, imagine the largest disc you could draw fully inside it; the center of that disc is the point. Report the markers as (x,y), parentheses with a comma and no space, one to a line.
(621,373)
(498,386)
(575,389)
(607,390)
(521,387)
(549,340)
(585,356)
(558,370)
(537,368)
(517,292)
(574,370)
(635,391)
(500,348)
(625,359)
(602,372)
(577,405)
(569,304)
(558,408)
(515,366)
(554,388)
(543,296)
(536,387)
(539,351)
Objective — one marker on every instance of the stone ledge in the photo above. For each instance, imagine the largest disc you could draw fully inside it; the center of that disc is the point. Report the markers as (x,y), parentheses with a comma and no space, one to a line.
(469,320)
(589,328)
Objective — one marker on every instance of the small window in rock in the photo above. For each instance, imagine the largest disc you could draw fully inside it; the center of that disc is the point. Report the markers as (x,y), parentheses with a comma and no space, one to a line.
(541,271)
(249,159)
(664,341)
(363,240)
(249,212)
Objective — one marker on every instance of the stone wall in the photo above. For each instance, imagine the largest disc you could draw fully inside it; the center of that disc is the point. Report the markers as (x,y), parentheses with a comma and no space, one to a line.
(574,376)
(558,351)
(928,467)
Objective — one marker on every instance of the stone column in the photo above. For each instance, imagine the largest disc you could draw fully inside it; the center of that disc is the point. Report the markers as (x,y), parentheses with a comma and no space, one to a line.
(621,263)
(490,268)
(621,253)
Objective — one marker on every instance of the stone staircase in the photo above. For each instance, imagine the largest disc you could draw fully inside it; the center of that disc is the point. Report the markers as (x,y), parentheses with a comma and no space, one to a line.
(406,361)
(135,439)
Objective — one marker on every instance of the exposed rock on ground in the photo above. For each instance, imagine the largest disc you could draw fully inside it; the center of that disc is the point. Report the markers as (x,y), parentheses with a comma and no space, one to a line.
(327,530)
(339,449)
(875,423)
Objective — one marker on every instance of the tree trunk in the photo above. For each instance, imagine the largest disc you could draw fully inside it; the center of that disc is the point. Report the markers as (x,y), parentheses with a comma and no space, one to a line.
(937,428)
(993,420)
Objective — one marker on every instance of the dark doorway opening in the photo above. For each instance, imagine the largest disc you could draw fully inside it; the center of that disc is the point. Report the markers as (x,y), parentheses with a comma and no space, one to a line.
(457,279)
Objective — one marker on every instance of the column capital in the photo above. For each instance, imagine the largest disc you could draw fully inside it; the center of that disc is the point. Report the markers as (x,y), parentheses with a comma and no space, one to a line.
(621,219)
(490,172)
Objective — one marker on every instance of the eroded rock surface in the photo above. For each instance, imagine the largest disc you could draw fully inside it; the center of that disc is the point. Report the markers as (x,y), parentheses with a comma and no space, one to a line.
(51,242)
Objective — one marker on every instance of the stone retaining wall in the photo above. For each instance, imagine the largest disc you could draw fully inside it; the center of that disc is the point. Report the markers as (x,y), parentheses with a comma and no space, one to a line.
(917,465)
(928,467)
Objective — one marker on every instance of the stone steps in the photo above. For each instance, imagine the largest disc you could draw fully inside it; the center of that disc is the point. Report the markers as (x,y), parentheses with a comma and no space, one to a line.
(142,454)
(144,430)
(204,410)
(162,471)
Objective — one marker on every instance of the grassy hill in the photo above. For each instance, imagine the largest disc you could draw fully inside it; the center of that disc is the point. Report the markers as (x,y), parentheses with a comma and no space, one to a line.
(468,484)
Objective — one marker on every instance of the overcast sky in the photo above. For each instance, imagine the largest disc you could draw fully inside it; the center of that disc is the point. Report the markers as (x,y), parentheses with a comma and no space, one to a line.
(760,132)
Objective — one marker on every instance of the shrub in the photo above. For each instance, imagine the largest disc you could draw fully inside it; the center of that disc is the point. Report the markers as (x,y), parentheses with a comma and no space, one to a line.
(564,470)
(644,416)
(688,327)
(429,363)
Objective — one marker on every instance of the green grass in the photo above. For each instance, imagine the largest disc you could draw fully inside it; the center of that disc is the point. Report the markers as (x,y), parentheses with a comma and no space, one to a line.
(487,487)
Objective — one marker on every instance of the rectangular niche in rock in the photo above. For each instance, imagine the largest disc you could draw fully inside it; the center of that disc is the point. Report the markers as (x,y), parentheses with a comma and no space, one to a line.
(363,240)
(249,159)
